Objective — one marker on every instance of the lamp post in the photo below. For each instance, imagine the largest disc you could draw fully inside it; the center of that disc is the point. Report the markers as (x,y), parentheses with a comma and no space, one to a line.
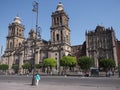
(35,9)
(59,49)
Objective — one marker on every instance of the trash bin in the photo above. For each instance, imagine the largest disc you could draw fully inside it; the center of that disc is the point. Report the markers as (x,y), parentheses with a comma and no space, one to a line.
(94,72)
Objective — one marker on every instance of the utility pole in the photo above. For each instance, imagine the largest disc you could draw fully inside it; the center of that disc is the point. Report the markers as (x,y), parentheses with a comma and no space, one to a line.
(35,9)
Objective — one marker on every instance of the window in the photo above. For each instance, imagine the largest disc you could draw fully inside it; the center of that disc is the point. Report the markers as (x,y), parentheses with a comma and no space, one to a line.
(61,20)
(19,44)
(10,44)
(53,36)
(56,54)
(54,20)
(19,34)
(61,35)
(57,37)
(57,20)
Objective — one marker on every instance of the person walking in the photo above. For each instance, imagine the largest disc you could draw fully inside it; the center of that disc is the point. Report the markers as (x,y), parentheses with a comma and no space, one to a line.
(37,77)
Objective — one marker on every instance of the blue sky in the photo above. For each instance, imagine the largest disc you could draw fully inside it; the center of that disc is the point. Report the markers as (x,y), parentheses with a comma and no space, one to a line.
(83,15)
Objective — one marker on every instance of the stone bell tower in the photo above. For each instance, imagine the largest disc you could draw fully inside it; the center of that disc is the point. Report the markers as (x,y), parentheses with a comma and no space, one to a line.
(60,32)
(15,34)
(60,35)
(14,41)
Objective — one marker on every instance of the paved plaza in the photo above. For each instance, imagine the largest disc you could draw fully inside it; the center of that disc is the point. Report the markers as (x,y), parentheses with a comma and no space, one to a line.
(27,86)
(16,82)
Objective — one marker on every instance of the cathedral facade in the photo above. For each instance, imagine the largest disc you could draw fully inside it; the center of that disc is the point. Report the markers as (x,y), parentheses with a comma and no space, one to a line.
(99,43)
(20,50)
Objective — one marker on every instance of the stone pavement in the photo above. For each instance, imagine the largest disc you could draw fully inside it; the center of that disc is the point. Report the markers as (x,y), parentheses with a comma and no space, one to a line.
(27,86)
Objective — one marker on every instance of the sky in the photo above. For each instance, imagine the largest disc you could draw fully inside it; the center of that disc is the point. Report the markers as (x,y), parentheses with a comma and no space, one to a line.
(84,15)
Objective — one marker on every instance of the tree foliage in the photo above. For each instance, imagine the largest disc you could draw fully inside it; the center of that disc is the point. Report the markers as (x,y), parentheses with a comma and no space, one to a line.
(50,62)
(68,61)
(4,67)
(106,64)
(85,63)
(26,66)
(38,66)
(15,67)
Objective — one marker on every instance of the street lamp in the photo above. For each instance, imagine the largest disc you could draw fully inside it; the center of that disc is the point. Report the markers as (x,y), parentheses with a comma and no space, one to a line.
(35,9)
(59,49)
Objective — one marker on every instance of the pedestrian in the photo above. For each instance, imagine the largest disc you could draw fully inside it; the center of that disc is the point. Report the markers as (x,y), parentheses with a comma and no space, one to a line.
(37,77)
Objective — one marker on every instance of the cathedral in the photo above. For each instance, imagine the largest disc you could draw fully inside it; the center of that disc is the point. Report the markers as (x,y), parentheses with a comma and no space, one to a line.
(20,50)
(99,43)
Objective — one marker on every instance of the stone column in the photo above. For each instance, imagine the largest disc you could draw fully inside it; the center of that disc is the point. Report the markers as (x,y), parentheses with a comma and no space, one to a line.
(10,63)
(20,63)
(114,49)
(37,57)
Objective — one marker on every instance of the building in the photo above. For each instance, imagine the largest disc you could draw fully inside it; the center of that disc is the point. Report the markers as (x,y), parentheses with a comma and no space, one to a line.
(118,52)
(78,50)
(20,50)
(101,43)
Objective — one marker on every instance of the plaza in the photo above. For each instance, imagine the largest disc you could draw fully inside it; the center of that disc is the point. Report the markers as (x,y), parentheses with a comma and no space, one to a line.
(16,82)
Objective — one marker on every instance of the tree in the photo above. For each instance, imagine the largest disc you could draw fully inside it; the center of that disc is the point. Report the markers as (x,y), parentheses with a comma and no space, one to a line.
(27,66)
(49,63)
(106,64)
(38,66)
(15,67)
(85,63)
(68,61)
(4,67)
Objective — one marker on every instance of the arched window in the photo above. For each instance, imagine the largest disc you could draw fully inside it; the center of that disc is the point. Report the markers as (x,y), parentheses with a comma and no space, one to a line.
(53,36)
(10,44)
(61,35)
(57,20)
(19,44)
(57,37)
(60,20)
(67,38)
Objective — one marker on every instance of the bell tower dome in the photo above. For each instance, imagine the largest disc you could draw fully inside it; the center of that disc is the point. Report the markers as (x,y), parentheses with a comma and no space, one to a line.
(17,20)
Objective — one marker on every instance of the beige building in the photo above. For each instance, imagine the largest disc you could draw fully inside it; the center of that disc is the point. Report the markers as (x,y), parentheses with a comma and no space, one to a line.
(20,50)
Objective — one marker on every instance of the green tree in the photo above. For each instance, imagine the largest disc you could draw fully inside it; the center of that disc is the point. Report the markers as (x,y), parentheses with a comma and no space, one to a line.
(49,63)
(85,63)
(15,67)
(106,64)
(68,61)
(27,66)
(4,67)
(38,66)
